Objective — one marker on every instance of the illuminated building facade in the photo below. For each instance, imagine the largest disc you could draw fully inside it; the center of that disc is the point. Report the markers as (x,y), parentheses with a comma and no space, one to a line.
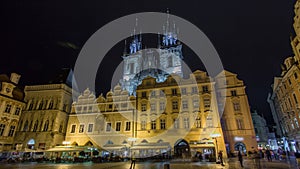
(285,96)
(236,118)
(11,107)
(44,119)
(177,117)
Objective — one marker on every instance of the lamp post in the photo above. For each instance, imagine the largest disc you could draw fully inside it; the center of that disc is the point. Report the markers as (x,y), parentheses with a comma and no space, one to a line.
(215,136)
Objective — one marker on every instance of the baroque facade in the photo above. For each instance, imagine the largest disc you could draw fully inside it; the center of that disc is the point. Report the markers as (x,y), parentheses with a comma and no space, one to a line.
(11,107)
(43,123)
(285,96)
(236,118)
(176,117)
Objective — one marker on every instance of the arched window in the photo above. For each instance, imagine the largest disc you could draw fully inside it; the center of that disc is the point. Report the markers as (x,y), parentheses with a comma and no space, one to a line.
(46,125)
(60,128)
(50,105)
(35,126)
(41,105)
(25,126)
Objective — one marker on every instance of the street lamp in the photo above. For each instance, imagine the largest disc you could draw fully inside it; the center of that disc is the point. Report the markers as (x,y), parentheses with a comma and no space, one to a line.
(215,136)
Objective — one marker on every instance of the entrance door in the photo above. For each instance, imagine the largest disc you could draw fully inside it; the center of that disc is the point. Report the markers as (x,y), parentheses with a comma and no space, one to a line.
(182,149)
(240,147)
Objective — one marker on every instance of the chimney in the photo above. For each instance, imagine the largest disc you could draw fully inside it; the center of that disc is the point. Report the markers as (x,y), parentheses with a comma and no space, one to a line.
(14,77)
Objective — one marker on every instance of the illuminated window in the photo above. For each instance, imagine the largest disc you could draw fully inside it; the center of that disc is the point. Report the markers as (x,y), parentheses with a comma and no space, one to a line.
(17,111)
(73,128)
(185,104)
(162,106)
(196,103)
(205,89)
(81,128)
(233,93)
(127,127)
(118,126)
(25,126)
(90,128)
(35,126)
(240,124)
(2,128)
(143,125)
(50,105)
(153,106)
(162,124)
(46,125)
(7,108)
(153,93)
(174,92)
(194,90)
(198,122)
(236,106)
(144,94)
(186,122)
(108,127)
(175,105)
(206,102)
(209,121)
(183,91)
(11,131)
(41,105)
(144,107)
(153,125)
(176,123)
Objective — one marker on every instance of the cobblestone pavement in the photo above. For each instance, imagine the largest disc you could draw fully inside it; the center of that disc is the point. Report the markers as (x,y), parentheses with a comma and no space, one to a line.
(230,164)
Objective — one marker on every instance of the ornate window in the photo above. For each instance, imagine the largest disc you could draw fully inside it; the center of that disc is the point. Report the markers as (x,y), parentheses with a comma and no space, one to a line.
(186,122)
(144,107)
(162,124)
(35,126)
(73,128)
(7,108)
(198,122)
(236,106)
(46,125)
(175,105)
(128,126)
(11,131)
(143,125)
(108,127)
(185,104)
(153,124)
(240,124)
(17,111)
(118,126)
(2,128)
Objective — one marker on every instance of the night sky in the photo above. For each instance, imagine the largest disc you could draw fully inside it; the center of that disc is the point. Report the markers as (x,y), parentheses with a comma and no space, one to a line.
(251,37)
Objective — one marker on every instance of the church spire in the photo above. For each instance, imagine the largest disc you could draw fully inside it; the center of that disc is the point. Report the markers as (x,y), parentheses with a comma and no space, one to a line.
(136,43)
(169,34)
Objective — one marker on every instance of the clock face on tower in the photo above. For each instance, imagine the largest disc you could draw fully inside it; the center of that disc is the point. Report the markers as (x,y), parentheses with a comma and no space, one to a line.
(7,90)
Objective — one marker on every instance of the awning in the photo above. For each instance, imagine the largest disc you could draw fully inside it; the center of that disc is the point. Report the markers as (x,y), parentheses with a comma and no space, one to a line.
(140,146)
(110,147)
(208,145)
(66,149)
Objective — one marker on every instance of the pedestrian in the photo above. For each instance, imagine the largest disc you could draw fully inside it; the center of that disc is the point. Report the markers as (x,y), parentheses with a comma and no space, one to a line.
(240,159)
(132,161)
(268,153)
(221,157)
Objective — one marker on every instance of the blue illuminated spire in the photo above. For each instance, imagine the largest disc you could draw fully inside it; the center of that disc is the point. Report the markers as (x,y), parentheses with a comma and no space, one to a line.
(136,43)
(169,35)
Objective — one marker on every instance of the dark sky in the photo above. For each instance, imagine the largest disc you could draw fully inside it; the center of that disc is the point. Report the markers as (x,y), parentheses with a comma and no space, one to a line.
(251,37)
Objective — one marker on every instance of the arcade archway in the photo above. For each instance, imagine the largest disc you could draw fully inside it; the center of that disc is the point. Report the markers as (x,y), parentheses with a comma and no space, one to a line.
(182,149)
